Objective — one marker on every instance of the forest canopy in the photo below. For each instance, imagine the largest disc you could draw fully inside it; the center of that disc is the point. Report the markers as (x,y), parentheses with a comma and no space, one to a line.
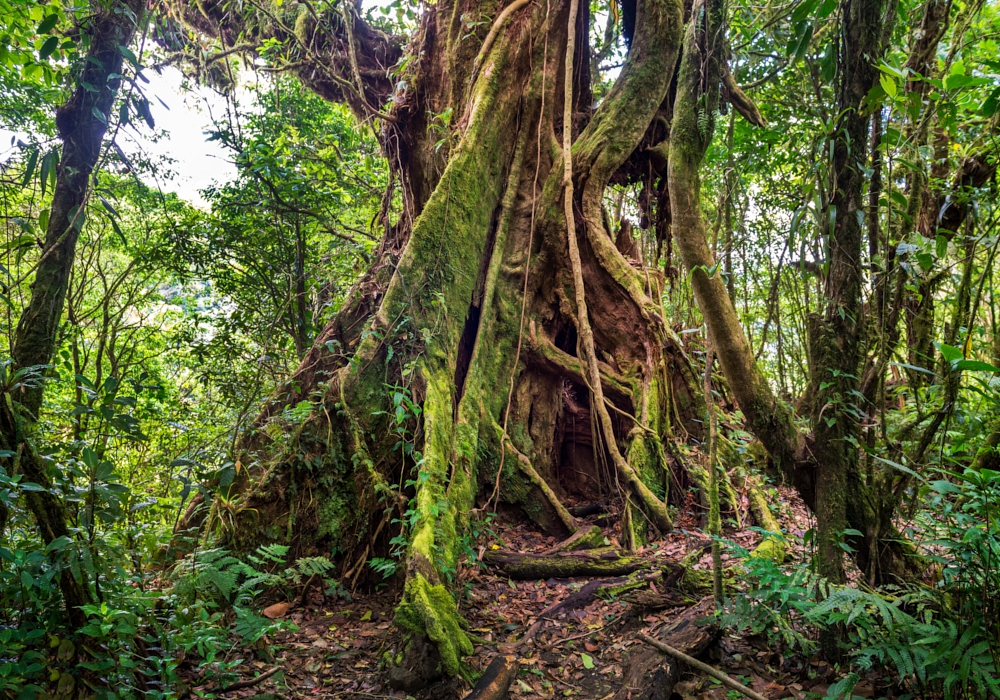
(673,320)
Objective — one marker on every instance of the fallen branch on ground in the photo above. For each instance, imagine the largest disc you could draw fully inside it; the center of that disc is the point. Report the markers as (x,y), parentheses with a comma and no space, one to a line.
(701,666)
(595,562)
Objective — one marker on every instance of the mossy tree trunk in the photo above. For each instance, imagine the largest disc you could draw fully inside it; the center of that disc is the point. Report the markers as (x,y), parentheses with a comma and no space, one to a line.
(82,122)
(455,368)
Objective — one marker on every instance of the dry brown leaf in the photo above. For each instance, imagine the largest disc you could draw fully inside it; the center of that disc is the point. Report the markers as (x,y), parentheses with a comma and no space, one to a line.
(275,611)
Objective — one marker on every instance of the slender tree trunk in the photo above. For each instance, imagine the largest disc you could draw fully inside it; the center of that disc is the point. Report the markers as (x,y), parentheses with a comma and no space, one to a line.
(835,339)
(82,123)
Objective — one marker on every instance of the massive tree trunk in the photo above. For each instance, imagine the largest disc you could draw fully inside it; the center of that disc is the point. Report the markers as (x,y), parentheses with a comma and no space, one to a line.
(457,372)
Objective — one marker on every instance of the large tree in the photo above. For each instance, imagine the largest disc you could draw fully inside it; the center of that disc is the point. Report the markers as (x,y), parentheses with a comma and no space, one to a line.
(505,321)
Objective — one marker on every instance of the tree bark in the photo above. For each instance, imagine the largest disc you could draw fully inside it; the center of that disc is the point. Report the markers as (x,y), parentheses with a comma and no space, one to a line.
(82,123)
(604,562)
(835,339)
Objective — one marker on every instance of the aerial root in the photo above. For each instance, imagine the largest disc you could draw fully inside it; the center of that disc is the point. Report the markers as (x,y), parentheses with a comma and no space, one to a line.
(496,679)
(524,463)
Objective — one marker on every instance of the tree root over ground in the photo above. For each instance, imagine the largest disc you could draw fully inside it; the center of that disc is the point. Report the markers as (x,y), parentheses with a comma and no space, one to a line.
(595,562)
(647,675)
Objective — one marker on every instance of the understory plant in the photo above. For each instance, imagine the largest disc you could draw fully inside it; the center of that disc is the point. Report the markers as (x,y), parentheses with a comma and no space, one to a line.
(940,638)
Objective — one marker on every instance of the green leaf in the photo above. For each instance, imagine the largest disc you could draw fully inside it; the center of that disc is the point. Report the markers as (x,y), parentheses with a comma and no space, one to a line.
(888,84)
(26,580)
(953,82)
(913,368)
(128,54)
(29,169)
(588,661)
(803,11)
(48,47)
(975,366)
(950,353)
(826,9)
(77,218)
(48,169)
(47,24)
(58,543)
(941,247)
(900,467)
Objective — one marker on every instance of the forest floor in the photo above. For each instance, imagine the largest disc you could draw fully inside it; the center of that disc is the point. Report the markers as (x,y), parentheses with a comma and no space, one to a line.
(340,647)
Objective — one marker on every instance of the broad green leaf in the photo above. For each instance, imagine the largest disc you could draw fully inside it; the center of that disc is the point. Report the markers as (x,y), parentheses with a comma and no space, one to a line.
(888,84)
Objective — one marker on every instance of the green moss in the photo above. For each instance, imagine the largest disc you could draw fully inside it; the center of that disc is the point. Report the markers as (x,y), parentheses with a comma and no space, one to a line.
(647,456)
(593,539)
(430,610)
(772,546)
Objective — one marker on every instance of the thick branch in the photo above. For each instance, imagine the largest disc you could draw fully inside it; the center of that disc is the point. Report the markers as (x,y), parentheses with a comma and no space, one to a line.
(767,418)
(327,55)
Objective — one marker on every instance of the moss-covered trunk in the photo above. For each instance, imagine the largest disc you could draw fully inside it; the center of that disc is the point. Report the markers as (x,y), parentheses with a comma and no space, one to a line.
(82,122)
(453,377)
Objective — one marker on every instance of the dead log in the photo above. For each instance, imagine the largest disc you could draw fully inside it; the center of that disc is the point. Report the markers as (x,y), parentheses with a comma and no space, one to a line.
(496,679)
(596,562)
(651,676)
(583,538)
(652,600)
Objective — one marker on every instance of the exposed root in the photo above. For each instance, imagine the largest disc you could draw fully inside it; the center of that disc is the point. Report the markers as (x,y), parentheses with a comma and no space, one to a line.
(583,538)
(653,506)
(524,463)
(496,679)
(498,24)
(773,545)
(430,610)
(648,676)
(690,661)
(598,562)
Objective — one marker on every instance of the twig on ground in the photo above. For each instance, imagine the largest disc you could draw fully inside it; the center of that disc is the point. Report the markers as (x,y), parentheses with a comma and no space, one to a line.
(247,683)
(701,666)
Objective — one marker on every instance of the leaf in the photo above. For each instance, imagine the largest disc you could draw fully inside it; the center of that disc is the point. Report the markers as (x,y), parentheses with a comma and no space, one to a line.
(913,368)
(975,366)
(141,105)
(272,612)
(953,82)
(49,162)
(588,661)
(46,25)
(888,84)
(48,47)
(900,467)
(941,246)
(29,169)
(804,9)
(58,543)
(128,54)
(26,580)
(951,354)
(367,616)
